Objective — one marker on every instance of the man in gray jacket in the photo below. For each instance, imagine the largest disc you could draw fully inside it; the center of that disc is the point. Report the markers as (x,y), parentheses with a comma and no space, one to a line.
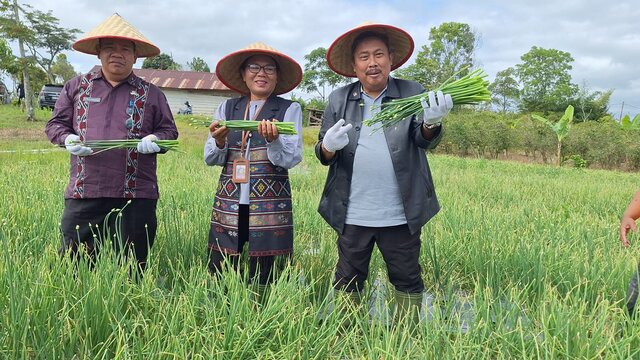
(379,188)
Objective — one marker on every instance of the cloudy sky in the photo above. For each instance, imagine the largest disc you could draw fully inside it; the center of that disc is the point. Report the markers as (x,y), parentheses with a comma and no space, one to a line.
(603,38)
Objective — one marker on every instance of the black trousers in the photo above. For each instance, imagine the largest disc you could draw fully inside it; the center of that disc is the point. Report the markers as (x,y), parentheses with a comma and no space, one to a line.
(632,293)
(262,269)
(399,248)
(90,222)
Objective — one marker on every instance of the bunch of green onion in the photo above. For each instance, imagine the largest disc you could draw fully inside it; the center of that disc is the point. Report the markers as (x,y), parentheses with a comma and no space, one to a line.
(470,89)
(285,128)
(104,145)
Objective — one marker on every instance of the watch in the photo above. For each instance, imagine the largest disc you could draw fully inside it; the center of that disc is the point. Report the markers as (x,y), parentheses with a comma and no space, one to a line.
(431,126)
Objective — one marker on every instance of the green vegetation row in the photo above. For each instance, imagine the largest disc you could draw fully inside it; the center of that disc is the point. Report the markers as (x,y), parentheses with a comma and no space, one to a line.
(531,250)
(601,144)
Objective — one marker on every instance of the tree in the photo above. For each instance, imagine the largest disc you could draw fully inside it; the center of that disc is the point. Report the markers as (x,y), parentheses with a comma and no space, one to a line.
(505,90)
(560,128)
(546,82)
(62,70)
(318,76)
(12,28)
(161,62)
(450,51)
(8,62)
(591,106)
(37,77)
(198,64)
(49,39)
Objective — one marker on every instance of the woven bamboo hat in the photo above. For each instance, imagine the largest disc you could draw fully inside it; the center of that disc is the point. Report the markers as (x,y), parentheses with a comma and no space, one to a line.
(339,55)
(228,68)
(115,27)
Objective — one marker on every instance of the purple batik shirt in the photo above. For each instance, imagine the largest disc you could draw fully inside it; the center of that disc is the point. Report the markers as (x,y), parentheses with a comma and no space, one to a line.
(108,173)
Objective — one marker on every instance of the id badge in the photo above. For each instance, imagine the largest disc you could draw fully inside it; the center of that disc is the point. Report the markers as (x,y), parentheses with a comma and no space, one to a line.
(240,172)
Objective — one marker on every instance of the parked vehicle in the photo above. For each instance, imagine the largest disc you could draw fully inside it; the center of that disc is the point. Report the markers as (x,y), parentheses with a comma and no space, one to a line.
(49,95)
(186,110)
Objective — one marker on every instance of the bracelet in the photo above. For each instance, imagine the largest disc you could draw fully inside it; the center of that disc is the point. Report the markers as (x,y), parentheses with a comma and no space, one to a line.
(431,126)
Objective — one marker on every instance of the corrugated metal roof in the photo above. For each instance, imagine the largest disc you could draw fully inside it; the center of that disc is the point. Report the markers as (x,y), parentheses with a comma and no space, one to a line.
(187,80)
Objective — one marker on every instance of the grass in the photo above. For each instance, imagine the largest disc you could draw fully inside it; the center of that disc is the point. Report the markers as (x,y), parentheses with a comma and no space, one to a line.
(533,249)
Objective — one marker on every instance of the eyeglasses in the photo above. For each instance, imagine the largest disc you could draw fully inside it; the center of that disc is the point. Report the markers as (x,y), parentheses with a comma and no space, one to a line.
(268,69)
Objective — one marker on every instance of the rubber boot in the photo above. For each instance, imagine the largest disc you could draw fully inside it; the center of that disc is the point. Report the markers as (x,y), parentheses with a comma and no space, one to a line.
(408,308)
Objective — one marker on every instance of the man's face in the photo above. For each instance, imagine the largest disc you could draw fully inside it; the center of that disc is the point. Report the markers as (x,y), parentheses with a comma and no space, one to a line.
(263,82)
(372,64)
(117,57)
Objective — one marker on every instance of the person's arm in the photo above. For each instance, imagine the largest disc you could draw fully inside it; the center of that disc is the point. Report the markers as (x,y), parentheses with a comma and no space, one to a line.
(628,221)
(164,127)
(61,123)
(329,120)
(286,150)
(434,111)
(215,151)
(326,154)
(431,134)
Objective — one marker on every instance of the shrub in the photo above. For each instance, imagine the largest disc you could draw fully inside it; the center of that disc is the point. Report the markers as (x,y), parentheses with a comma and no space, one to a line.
(578,161)
(632,149)
(601,143)
(537,138)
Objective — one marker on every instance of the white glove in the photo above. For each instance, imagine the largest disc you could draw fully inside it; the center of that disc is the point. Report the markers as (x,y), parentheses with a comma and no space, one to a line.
(147,145)
(76,149)
(434,113)
(336,137)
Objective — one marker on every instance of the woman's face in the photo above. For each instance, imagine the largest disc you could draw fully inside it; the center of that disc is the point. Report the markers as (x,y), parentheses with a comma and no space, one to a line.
(261,76)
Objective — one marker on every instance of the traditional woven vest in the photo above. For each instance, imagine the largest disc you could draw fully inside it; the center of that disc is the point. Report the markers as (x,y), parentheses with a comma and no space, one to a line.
(81,116)
(270,215)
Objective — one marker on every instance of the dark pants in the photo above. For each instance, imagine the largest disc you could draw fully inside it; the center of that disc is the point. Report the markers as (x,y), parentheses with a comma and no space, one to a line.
(632,293)
(399,248)
(262,269)
(91,221)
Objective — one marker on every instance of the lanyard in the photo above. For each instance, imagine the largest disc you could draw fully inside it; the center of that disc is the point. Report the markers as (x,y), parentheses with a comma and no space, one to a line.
(245,134)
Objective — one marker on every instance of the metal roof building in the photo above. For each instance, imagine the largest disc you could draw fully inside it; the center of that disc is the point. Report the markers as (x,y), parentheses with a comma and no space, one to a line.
(203,90)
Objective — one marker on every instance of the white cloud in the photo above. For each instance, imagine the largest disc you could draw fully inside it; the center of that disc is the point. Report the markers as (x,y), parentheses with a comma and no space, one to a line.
(602,38)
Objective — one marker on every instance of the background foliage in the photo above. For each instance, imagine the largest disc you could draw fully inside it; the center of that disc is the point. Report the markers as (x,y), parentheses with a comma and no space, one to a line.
(522,262)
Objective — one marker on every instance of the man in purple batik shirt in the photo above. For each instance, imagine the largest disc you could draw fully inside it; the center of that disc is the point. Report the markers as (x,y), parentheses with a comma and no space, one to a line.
(111,103)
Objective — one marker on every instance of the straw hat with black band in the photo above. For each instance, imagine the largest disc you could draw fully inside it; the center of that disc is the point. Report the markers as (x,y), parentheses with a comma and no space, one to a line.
(228,68)
(115,27)
(339,55)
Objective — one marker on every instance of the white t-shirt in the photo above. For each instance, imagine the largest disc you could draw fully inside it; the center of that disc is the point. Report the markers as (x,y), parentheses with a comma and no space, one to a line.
(375,199)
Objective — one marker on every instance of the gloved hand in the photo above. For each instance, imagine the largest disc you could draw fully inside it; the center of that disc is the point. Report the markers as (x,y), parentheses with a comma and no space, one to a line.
(336,137)
(147,145)
(434,111)
(76,149)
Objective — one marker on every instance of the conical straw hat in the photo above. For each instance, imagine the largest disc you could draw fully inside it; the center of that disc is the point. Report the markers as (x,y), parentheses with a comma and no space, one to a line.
(116,27)
(339,55)
(228,68)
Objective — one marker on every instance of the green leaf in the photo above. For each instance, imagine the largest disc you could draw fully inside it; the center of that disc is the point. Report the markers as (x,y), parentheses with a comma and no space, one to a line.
(564,123)
(561,128)
(625,122)
(543,120)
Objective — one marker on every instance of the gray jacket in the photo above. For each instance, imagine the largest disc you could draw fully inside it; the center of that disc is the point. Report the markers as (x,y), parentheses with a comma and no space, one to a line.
(406,146)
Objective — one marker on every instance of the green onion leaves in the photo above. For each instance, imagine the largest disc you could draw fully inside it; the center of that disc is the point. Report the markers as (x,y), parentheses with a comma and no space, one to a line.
(285,128)
(470,89)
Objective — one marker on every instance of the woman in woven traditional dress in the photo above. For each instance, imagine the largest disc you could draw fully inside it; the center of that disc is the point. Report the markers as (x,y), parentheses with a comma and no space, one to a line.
(252,204)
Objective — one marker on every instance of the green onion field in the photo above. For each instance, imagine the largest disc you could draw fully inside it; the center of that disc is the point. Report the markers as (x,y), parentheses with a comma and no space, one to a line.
(523,261)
